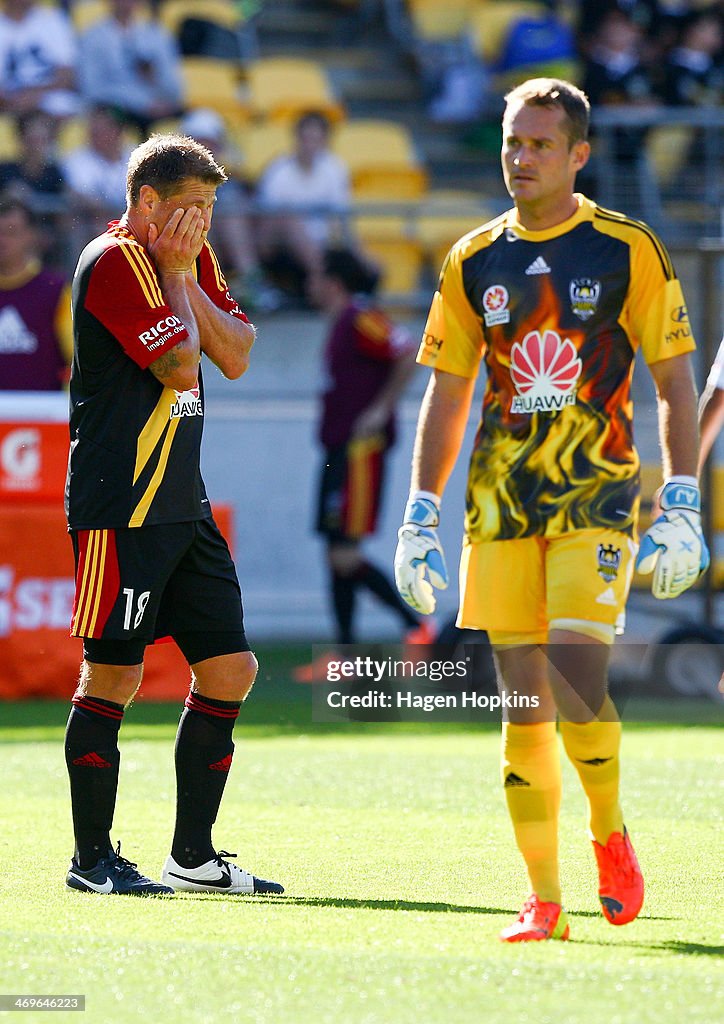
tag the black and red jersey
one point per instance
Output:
(361, 351)
(134, 444)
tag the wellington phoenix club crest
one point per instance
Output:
(585, 294)
(609, 561)
(495, 305)
(545, 371)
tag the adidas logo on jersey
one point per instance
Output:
(538, 266)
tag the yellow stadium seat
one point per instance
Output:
(214, 82)
(73, 134)
(446, 215)
(9, 142)
(260, 144)
(173, 13)
(382, 160)
(490, 22)
(434, 20)
(283, 88)
(667, 147)
(391, 242)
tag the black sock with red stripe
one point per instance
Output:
(377, 583)
(204, 751)
(93, 758)
(343, 601)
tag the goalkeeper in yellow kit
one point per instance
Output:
(556, 296)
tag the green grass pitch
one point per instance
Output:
(395, 849)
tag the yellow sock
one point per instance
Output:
(532, 782)
(593, 748)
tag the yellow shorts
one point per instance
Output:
(523, 586)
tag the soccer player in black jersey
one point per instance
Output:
(555, 296)
(148, 300)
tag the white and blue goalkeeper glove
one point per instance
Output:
(419, 560)
(673, 547)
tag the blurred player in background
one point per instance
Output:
(36, 334)
(711, 407)
(148, 300)
(368, 361)
(556, 296)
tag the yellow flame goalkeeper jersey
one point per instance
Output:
(557, 316)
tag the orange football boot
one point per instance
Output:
(621, 884)
(537, 921)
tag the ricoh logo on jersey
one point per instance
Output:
(545, 370)
(188, 403)
(495, 305)
(159, 334)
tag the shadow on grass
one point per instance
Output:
(347, 903)
(343, 903)
(675, 946)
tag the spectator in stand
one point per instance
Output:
(368, 361)
(36, 178)
(37, 60)
(96, 175)
(615, 75)
(131, 64)
(694, 72)
(310, 188)
(36, 337)
(233, 222)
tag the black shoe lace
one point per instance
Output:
(220, 857)
(123, 867)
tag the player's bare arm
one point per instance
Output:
(440, 430)
(373, 419)
(226, 340)
(678, 430)
(174, 250)
(711, 419)
(419, 559)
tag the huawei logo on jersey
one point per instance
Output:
(545, 371)
(188, 403)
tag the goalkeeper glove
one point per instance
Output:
(419, 560)
(673, 547)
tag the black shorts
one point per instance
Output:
(350, 489)
(137, 585)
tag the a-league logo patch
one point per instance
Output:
(609, 562)
(495, 305)
(585, 293)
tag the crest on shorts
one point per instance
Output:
(609, 562)
(585, 293)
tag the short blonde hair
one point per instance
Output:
(556, 93)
